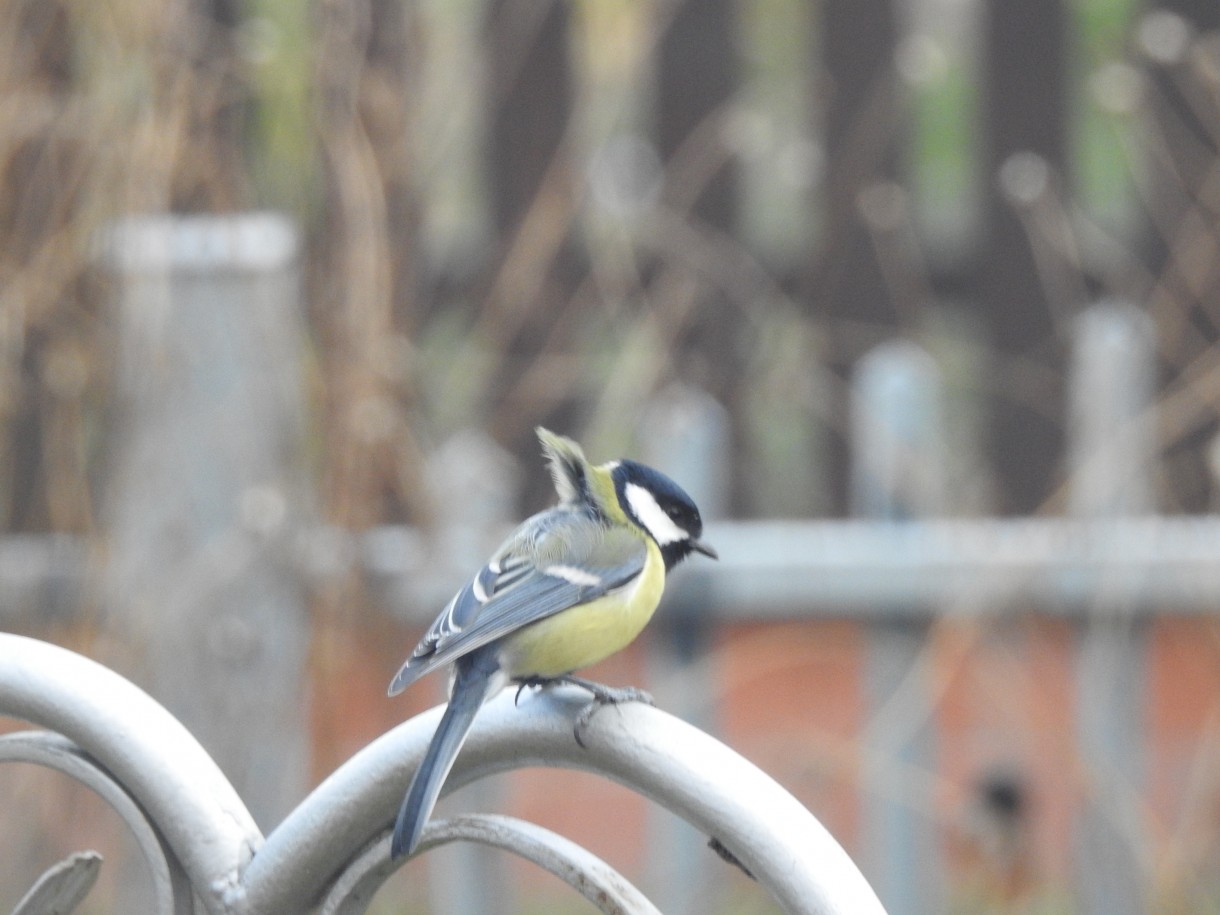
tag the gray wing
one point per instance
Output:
(553, 561)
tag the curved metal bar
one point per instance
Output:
(586, 873)
(147, 751)
(156, 760)
(63, 886)
(673, 763)
(171, 889)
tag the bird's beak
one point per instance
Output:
(700, 547)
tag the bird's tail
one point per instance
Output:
(473, 682)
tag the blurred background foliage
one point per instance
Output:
(524, 212)
(530, 211)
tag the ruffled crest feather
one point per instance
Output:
(568, 465)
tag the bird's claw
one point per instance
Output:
(527, 682)
(602, 696)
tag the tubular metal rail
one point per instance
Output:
(331, 854)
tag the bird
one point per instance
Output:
(570, 586)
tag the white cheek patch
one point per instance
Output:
(644, 506)
(574, 575)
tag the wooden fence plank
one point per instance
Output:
(696, 78)
(529, 99)
(862, 129)
(1025, 144)
(1178, 40)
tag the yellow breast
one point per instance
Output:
(585, 634)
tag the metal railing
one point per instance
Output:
(331, 853)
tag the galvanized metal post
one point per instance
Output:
(897, 475)
(685, 432)
(1111, 434)
(207, 489)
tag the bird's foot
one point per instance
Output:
(602, 695)
(526, 682)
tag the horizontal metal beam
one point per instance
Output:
(833, 569)
(772, 569)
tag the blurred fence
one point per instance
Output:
(226, 608)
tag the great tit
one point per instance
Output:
(572, 585)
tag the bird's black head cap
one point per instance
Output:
(661, 507)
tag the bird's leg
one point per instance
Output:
(602, 695)
(525, 682)
(606, 695)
